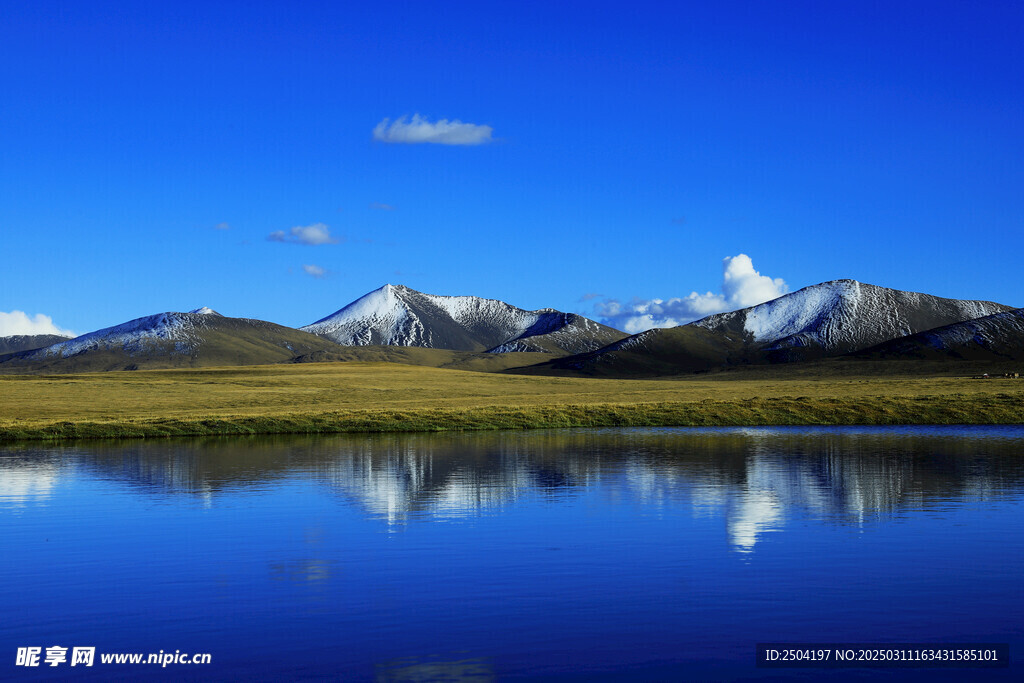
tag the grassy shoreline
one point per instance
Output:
(387, 397)
(943, 409)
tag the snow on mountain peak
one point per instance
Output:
(805, 309)
(205, 311)
(399, 316)
(844, 315)
(371, 319)
(134, 336)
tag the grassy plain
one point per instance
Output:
(334, 397)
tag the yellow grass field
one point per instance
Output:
(356, 396)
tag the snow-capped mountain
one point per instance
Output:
(395, 315)
(993, 337)
(200, 337)
(828, 319)
(150, 333)
(841, 316)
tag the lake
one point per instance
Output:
(618, 554)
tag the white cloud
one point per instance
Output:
(419, 130)
(222, 226)
(742, 286)
(314, 271)
(378, 206)
(315, 234)
(19, 322)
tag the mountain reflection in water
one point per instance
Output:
(752, 477)
(628, 554)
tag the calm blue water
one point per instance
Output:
(655, 554)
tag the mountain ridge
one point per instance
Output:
(829, 319)
(397, 315)
(999, 336)
(172, 339)
(841, 316)
(27, 342)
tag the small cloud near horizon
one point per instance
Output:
(222, 226)
(378, 206)
(742, 286)
(420, 130)
(313, 235)
(19, 322)
(314, 271)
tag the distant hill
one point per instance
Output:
(395, 315)
(171, 340)
(824, 320)
(990, 338)
(666, 351)
(27, 342)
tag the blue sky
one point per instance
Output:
(157, 156)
